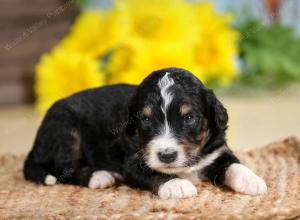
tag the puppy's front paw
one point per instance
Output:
(176, 189)
(243, 180)
(101, 179)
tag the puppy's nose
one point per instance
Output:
(167, 156)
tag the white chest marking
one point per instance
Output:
(194, 176)
(206, 160)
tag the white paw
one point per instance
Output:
(176, 189)
(243, 180)
(101, 179)
(50, 180)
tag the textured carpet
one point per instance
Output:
(278, 163)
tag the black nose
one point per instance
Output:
(167, 156)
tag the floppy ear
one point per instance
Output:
(218, 113)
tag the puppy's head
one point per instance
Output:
(176, 120)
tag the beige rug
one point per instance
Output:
(278, 163)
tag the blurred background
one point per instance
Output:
(247, 51)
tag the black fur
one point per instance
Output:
(105, 129)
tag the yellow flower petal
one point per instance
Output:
(61, 73)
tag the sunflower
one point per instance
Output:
(134, 38)
(132, 64)
(173, 33)
(156, 21)
(61, 73)
(217, 50)
(94, 33)
(159, 34)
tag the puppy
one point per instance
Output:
(162, 136)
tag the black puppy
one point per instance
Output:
(160, 136)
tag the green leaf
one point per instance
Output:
(270, 54)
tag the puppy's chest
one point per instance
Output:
(194, 176)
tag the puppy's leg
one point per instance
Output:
(107, 166)
(68, 158)
(55, 153)
(177, 188)
(243, 180)
(226, 169)
(72, 166)
(102, 179)
(34, 171)
(88, 176)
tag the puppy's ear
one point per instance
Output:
(217, 112)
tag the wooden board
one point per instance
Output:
(29, 28)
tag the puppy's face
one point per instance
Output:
(173, 121)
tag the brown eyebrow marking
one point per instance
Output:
(147, 111)
(185, 108)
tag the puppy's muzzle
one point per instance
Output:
(167, 155)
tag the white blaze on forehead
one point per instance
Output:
(165, 140)
(164, 84)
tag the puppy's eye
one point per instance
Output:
(146, 121)
(189, 120)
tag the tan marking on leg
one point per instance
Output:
(76, 151)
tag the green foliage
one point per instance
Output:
(80, 3)
(270, 55)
